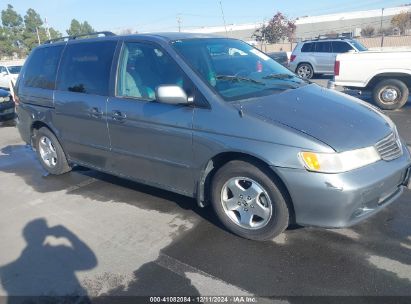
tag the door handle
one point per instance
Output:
(118, 116)
(95, 112)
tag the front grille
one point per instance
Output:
(389, 148)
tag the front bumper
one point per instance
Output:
(292, 66)
(7, 110)
(341, 200)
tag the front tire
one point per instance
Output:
(249, 201)
(390, 94)
(50, 153)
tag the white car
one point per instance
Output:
(387, 75)
(318, 56)
(8, 73)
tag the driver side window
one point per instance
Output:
(143, 67)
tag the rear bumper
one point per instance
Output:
(342, 200)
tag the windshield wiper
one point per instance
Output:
(278, 76)
(238, 78)
(282, 87)
(288, 77)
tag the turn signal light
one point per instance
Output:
(311, 160)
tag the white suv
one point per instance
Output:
(318, 56)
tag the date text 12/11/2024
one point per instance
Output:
(204, 299)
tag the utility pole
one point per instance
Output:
(179, 21)
(381, 31)
(222, 14)
(263, 38)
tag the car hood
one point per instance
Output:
(338, 120)
(4, 93)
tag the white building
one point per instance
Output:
(313, 26)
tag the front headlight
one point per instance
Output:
(339, 162)
(4, 99)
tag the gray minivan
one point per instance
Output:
(214, 119)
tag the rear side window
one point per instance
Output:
(341, 47)
(42, 68)
(85, 67)
(307, 47)
(323, 47)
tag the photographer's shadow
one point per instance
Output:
(47, 269)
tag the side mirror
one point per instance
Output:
(4, 73)
(171, 94)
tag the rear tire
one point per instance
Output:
(249, 201)
(305, 71)
(50, 153)
(390, 94)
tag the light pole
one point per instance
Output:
(179, 22)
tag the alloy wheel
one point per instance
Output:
(246, 203)
(304, 71)
(47, 151)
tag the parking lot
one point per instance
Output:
(90, 233)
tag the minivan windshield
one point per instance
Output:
(235, 69)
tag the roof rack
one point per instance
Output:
(327, 38)
(73, 37)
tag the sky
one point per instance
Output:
(161, 15)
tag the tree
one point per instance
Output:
(7, 47)
(33, 31)
(78, 28)
(75, 28)
(277, 29)
(126, 31)
(10, 18)
(32, 21)
(368, 31)
(386, 31)
(86, 28)
(54, 33)
(12, 30)
(402, 21)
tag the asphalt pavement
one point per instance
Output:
(93, 234)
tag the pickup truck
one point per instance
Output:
(386, 74)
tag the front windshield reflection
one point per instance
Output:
(235, 69)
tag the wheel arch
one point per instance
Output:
(37, 125)
(305, 62)
(402, 76)
(219, 160)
